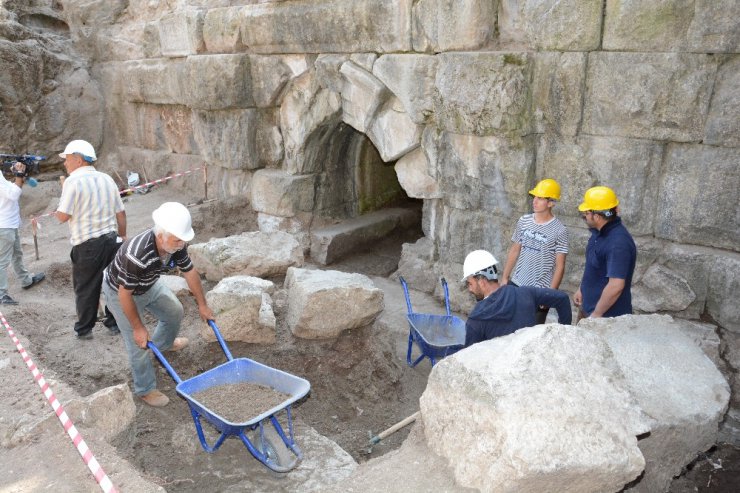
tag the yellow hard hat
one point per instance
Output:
(599, 199)
(547, 188)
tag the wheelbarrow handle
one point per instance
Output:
(221, 341)
(406, 294)
(447, 294)
(164, 361)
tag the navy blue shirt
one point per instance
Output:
(511, 308)
(611, 252)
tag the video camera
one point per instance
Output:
(30, 160)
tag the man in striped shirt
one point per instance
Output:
(132, 286)
(540, 245)
(92, 207)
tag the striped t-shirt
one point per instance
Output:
(540, 244)
(137, 264)
(91, 199)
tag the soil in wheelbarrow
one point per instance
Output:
(239, 402)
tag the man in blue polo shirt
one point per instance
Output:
(610, 258)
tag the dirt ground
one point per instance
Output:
(360, 383)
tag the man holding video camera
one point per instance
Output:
(10, 240)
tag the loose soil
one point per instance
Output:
(360, 383)
(239, 402)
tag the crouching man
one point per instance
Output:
(502, 310)
(131, 285)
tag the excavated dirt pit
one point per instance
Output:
(360, 383)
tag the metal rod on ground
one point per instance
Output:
(35, 238)
(205, 182)
(394, 428)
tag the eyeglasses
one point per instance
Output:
(585, 214)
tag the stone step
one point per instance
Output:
(331, 243)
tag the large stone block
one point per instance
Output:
(181, 33)
(393, 132)
(543, 409)
(452, 25)
(163, 127)
(484, 93)
(698, 188)
(327, 26)
(413, 175)
(489, 173)
(129, 41)
(411, 79)
(723, 122)
(243, 308)
(362, 95)
(216, 82)
(306, 108)
(661, 289)
(222, 30)
(661, 96)
(109, 411)
(684, 412)
(270, 75)
(238, 139)
(630, 167)
(280, 194)
(322, 304)
(254, 254)
(724, 283)
(156, 81)
(558, 25)
(557, 92)
(700, 26)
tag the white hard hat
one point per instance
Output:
(174, 218)
(480, 262)
(81, 147)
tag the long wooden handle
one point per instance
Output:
(394, 428)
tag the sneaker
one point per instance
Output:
(155, 398)
(113, 329)
(37, 278)
(179, 343)
(7, 300)
(85, 335)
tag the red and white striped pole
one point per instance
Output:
(87, 456)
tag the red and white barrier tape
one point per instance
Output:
(87, 457)
(35, 219)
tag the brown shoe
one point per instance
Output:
(179, 343)
(155, 398)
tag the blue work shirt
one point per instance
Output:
(611, 252)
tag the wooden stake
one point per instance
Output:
(205, 182)
(35, 239)
(394, 428)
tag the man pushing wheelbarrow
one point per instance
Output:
(131, 285)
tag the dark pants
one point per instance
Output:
(89, 260)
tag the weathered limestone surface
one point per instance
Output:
(685, 412)
(158, 81)
(393, 132)
(630, 166)
(362, 95)
(724, 283)
(483, 93)
(698, 181)
(723, 124)
(221, 30)
(557, 92)
(243, 307)
(176, 284)
(238, 139)
(543, 409)
(181, 33)
(110, 411)
(661, 289)
(700, 26)
(661, 96)
(252, 254)
(280, 194)
(216, 82)
(413, 175)
(270, 75)
(322, 304)
(411, 79)
(327, 26)
(451, 25)
(560, 25)
(416, 265)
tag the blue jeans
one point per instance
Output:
(10, 252)
(161, 302)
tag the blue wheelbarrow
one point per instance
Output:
(436, 336)
(263, 435)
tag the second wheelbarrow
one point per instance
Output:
(436, 336)
(263, 435)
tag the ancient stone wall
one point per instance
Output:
(475, 100)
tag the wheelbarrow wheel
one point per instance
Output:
(274, 448)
